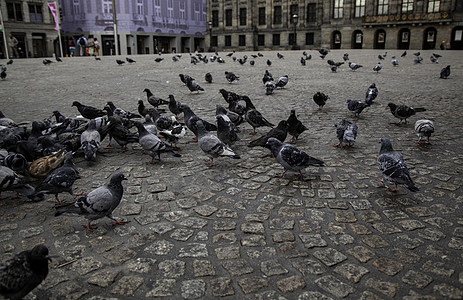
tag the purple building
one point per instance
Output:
(143, 26)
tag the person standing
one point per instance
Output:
(82, 43)
(91, 45)
(13, 44)
(96, 44)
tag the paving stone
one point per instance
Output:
(127, 285)
(119, 255)
(283, 236)
(406, 256)
(221, 287)
(360, 204)
(203, 268)
(334, 286)
(272, 268)
(417, 279)
(386, 228)
(160, 247)
(103, 278)
(351, 272)
(291, 284)
(367, 295)
(309, 266)
(265, 252)
(70, 290)
(437, 268)
(330, 256)
(388, 266)
(224, 225)
(290, 212)
(237, 267)
(181, 234)
(253, 241)
(345, 217)
(162, 288)
(226, 237)
(408, 242)
(361, 253)
(456, 243)
(226, 213)
(411, 224)
(311, 295)
(375, 241)
(205, 210)
(360, 229)
(86, 265)
(192, 222)
(252, 284)
(384, 287)
(193, 289)
(231, 252)
(368, 216)
(338, 204)
(412, 295)
(312, 240)
(193, 250)
(448, 291)
(172, 268)
(431, 234)
(281, 224)
(253, 228)
(141, 265)
(256, 217)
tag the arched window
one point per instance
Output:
(380, 39)
(403, 40)
(357, 39)
(336, 40)
(429, 38)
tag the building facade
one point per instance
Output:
(335, 24)
(32, 24)
(143, 26)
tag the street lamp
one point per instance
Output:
(295, 18)
(210, 36)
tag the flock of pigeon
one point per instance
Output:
(45, 151)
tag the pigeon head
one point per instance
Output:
(75, 103)
(273, 143)
(39, 253)
(386, 145)
(373, 85)
(283, 125)
(220, 110)
(117, 178)
(392, 106)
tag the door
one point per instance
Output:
(336, 40)
(380, 39)
(357, 39)
(404, 39)
(39, 48)
(429, 38)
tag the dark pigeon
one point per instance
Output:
(393, 168)
(356, 107)
(320, 99)
(191, 119)
(255, 118)
(193, 86)
(403, 112)
(174, 106)
(404, 54)
(372, 93)
(295, 126)
(279, 132)
(129, 60)
(98, 203)
(346, 132)
(208, 77)
(282, 81)
(153, 100)
(445, 72)
(88, 112)
(226, 130)
(230, 76)
(354, 66)
(120, 62)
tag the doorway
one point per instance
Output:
(357, 39)
(403, 39)
(456, 42)
(430, 38)
(107, 42)
(336, 40)
(380, 39)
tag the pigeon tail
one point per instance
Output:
(69, 208)
(412, 188)
(419, 109)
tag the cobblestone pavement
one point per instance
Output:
(234, 231)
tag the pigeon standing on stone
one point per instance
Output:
(12, 181)
(346, 132)
(129, 60)
(270, 86)
(345, 57)
(208, 77)
(291, 158)
(393, 168)
(394, 61)
(354, 66)
(230, 76)
(295, 126)
(403, 112)
(226, 131)
(153, 100)
(320, 99)
(404, 54)
(120, 62)
(371, 94)
(98, 203)
(211, 145)
(90, 140)
(445, 72)
(279, 132)
(88, 112)
(256, 119)
(193, 86)
(282, 81)
(24, 272)
(424, 128)
(356, 107)
(191, 119)
(378, 67)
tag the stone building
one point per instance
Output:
(143, 26)
(335, 24)
(32, 24)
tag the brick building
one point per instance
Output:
(337, 24)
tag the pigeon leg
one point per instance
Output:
(293, 140)
(320, 107)
(254, 132)
(394, 189)
(338, 145)
(89, 227)
(299, 176)
(195, 140)
(58, 202)
(280, 175)
(118, 221)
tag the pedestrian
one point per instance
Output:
(442, 45)
(91, 45)
(72, 47)
(82, 42)
(97, 46)
(13, 44)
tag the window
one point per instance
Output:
(228, 41)
(243, 16)
(293, 10)
(197, 12)
(214, 42)
(170, 9)
(14, 12)
(338, 9)
(262, 16)
(433, 6)
(76, 7)
(291, 39)
(260, 40)
(407, 6)
(359, 8)
(277, 15)
(276, 40)
(107, 7)
(215, 18)
(242, 40)
(140, 7)
(35, 13)
(228, 17)
(157, 9)
(383, 7)
(181, 10)
(309, 38)
(311, 13)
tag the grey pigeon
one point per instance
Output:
(226, 131)
(417, 59)
(211, 145)
(12, 181)
(403, 112)
(174, 106)
(424, 128)
(282, 81)
(60, 180)
(193, 86)
(24, 272)
(230, 76)
(295, 126)
(378, 67)
(98, 203)
(346, 132)
(393, 168)
(90, 140)
(152, 144)
(267, 77)
(434, 59)
(149, 125)
(291, 158)
(270, 86)
(354, 66)
(372, 93)
(191, 119)
(235, 118)
(394, 61)
(153, 100)
(356, 107)
(445, 72)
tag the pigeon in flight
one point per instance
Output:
(356, 107)
(3, 74)
(424, 128)
(24, 272)
(393, 168)
(372, 93)
(346, 132)
(403, 112)
(98, 203)
(320, 99)
(445, 72)
(295, 126)
(291, 158)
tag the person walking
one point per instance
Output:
(13, 44)
(96, 44)
(91, 45)
(82, 42)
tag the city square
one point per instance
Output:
(234, 230)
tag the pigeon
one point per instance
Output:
(404, 54)
(303, 61)
(295, 126)
(24, 272)
(333, 68)
(42, 166)
(323, 51)
(280, 56)
(208, 77)
(252, 62)
(143, 110)
(158, 59)
(424, 128)
(417, 53)
(267, 77)
(184, 78)
(174, 58)
(47, 62)
(60, 180)
(345, 57)
(120, 112)
(174, 106)
(320, 99)
(3, 75)
(354, 66)
(394, 61)
(372, 93)
(152, 144)
(378, 67)
(190, 119)
(121, 134)
(98, 203)
(211, 145)
(282, 81)
(231, 53)
(436, 55)
(129, 60)
(356, 107)
(279, 132)
(15, 161)
(120, 62)
(90, 140)
(174, 132)
(220, 60)
(88, 112)
(260, 54)
(10, 62)
(393, 168)
(291, 158)
(255, 118)
(346, 132)
(403, 112)
(226, 130)
(193, 86)
(270, 86)
(97, 58)
(445, 72)
(417, 59)
(235, 118)
(153, 100)
(380, 57)
(269, 62)
(149, 125)
(12, 181)
(434, 59)
(230, 76)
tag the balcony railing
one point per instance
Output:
(407, 18)
(106, 16)
(137, 17)
(157, 19)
